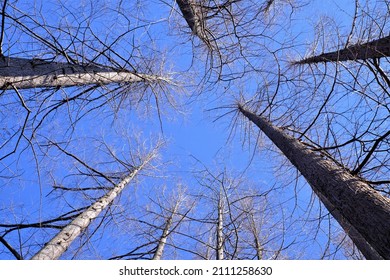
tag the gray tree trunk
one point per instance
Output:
(259, 248)
(167, 228)
(35, 73)
(361, 211)
(374, 49)
(220, 253)
(61, 242)
(194, 14)
(255, 232)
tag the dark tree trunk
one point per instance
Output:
(193, 13)
(374, 49)
(361, 211)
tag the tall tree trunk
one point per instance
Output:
(255, 232)
(192, 13)
(259, 248)
(163, 240)
(35, 73)
(374, 49)
(220, 255)
(209, 247)
(361, 211)
(61, 242)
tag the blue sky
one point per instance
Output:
(196, 133)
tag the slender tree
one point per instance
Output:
(61, 242)
(361, 211)
(220, 224)
(235, 221)
(167, 230)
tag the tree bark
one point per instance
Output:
(259, 248)
(361, 211)
(36, 73)
(167, 229)
(255, 232)
(220, 253)
(192, 13)
(374, 49)
(61, 242)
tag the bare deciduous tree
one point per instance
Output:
(60, 243)
(371, 50)
(362, 211)
(37, 73)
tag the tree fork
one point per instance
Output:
(362, 212)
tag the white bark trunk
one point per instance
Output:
(163, 240)
(35, 73)
(61, 242)
(220, 253)
(259, 248)
(361, 211)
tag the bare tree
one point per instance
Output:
(72, 71)
(158, 226)
(166, 231)
(230, 31)
(235, 221)
(60, 243)
(192, 13)
(220, 221)
(371, 50)
(23, 73)
(362, 211)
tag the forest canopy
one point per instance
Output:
(194, 129)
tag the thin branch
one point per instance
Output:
(11, 249)
(2, 27)
(368, 156)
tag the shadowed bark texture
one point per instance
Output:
(374, 49)
(192, 14)
(361, 211)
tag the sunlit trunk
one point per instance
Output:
(167, 229)
(61, 242)
(220, 253)
(35, 73)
